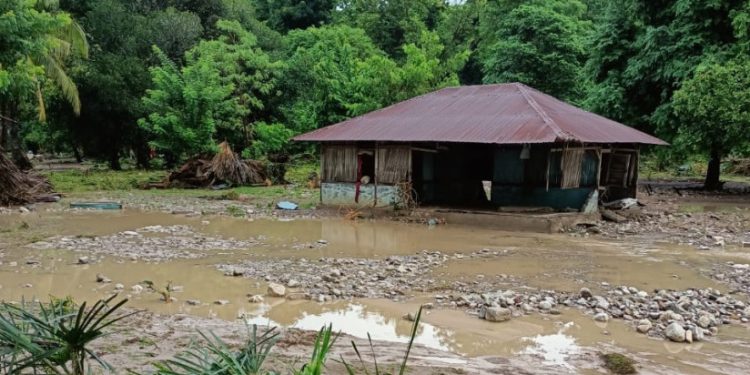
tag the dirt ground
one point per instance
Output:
(571, 295)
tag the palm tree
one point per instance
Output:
(53, 49)
(62, 44)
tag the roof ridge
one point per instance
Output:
(563, 135)
(381, 109)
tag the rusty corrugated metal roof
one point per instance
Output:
(510, 113)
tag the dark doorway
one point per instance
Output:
(366, 162)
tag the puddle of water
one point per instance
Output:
(548, 261)
(555, 349)
(588, 264)
(355, 319)
(57, 275)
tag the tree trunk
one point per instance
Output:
(114, 160)
(713, 174)
(22, 161)
(77, 154)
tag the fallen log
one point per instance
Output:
(612, 216)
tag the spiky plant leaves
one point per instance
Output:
(213, 356)
(402, 369)
(323, 344)
(49, 338)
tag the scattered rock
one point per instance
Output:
(497, 314)
(585, 293)
(221, 302)
(83, 260)
(193, 302)
(601, 302)
(704, 321)
(276, 290)
(136, 289)
(675, 332)
(102, 279)
(601, 317)
(256, 299)
(698, 334)
(410, 317)
(644, 325)
(119, 286)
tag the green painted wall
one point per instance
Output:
(523, 183)
(335, 193)
(556, 198)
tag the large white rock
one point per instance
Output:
(497, 314)
(675, 332)
(644, 325)
(276, 290)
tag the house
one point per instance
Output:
(479, 146)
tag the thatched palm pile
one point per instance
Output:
(20, 187)
(225, 167)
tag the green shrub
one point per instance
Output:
(619, 364)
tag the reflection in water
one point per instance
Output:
(357, 321)
(554, 349)
(26, 273)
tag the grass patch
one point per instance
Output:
(81, 184)
(76, 181)
(298, 173)
(235, 211)
(619, 364)
(652, 167)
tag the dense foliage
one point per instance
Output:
(119, 79)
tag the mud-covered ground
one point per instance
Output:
(511, 302)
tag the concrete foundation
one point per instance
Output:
(343, 194)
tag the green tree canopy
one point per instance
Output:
(286, 15)
(713, 108)
(183, 106)
(643, 50)
(217, 95)
(538, 43)
(391, 24)
(336, 72)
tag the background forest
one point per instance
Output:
(121, 80)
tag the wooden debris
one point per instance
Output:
(19, 187)
(226, 167)
(612, 216)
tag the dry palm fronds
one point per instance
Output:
(739, 166)
(352, 214)
(20, 187)
(228, 167)
(224, 167)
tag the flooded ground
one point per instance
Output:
(40, 254)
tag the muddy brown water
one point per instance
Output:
(560, 262)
